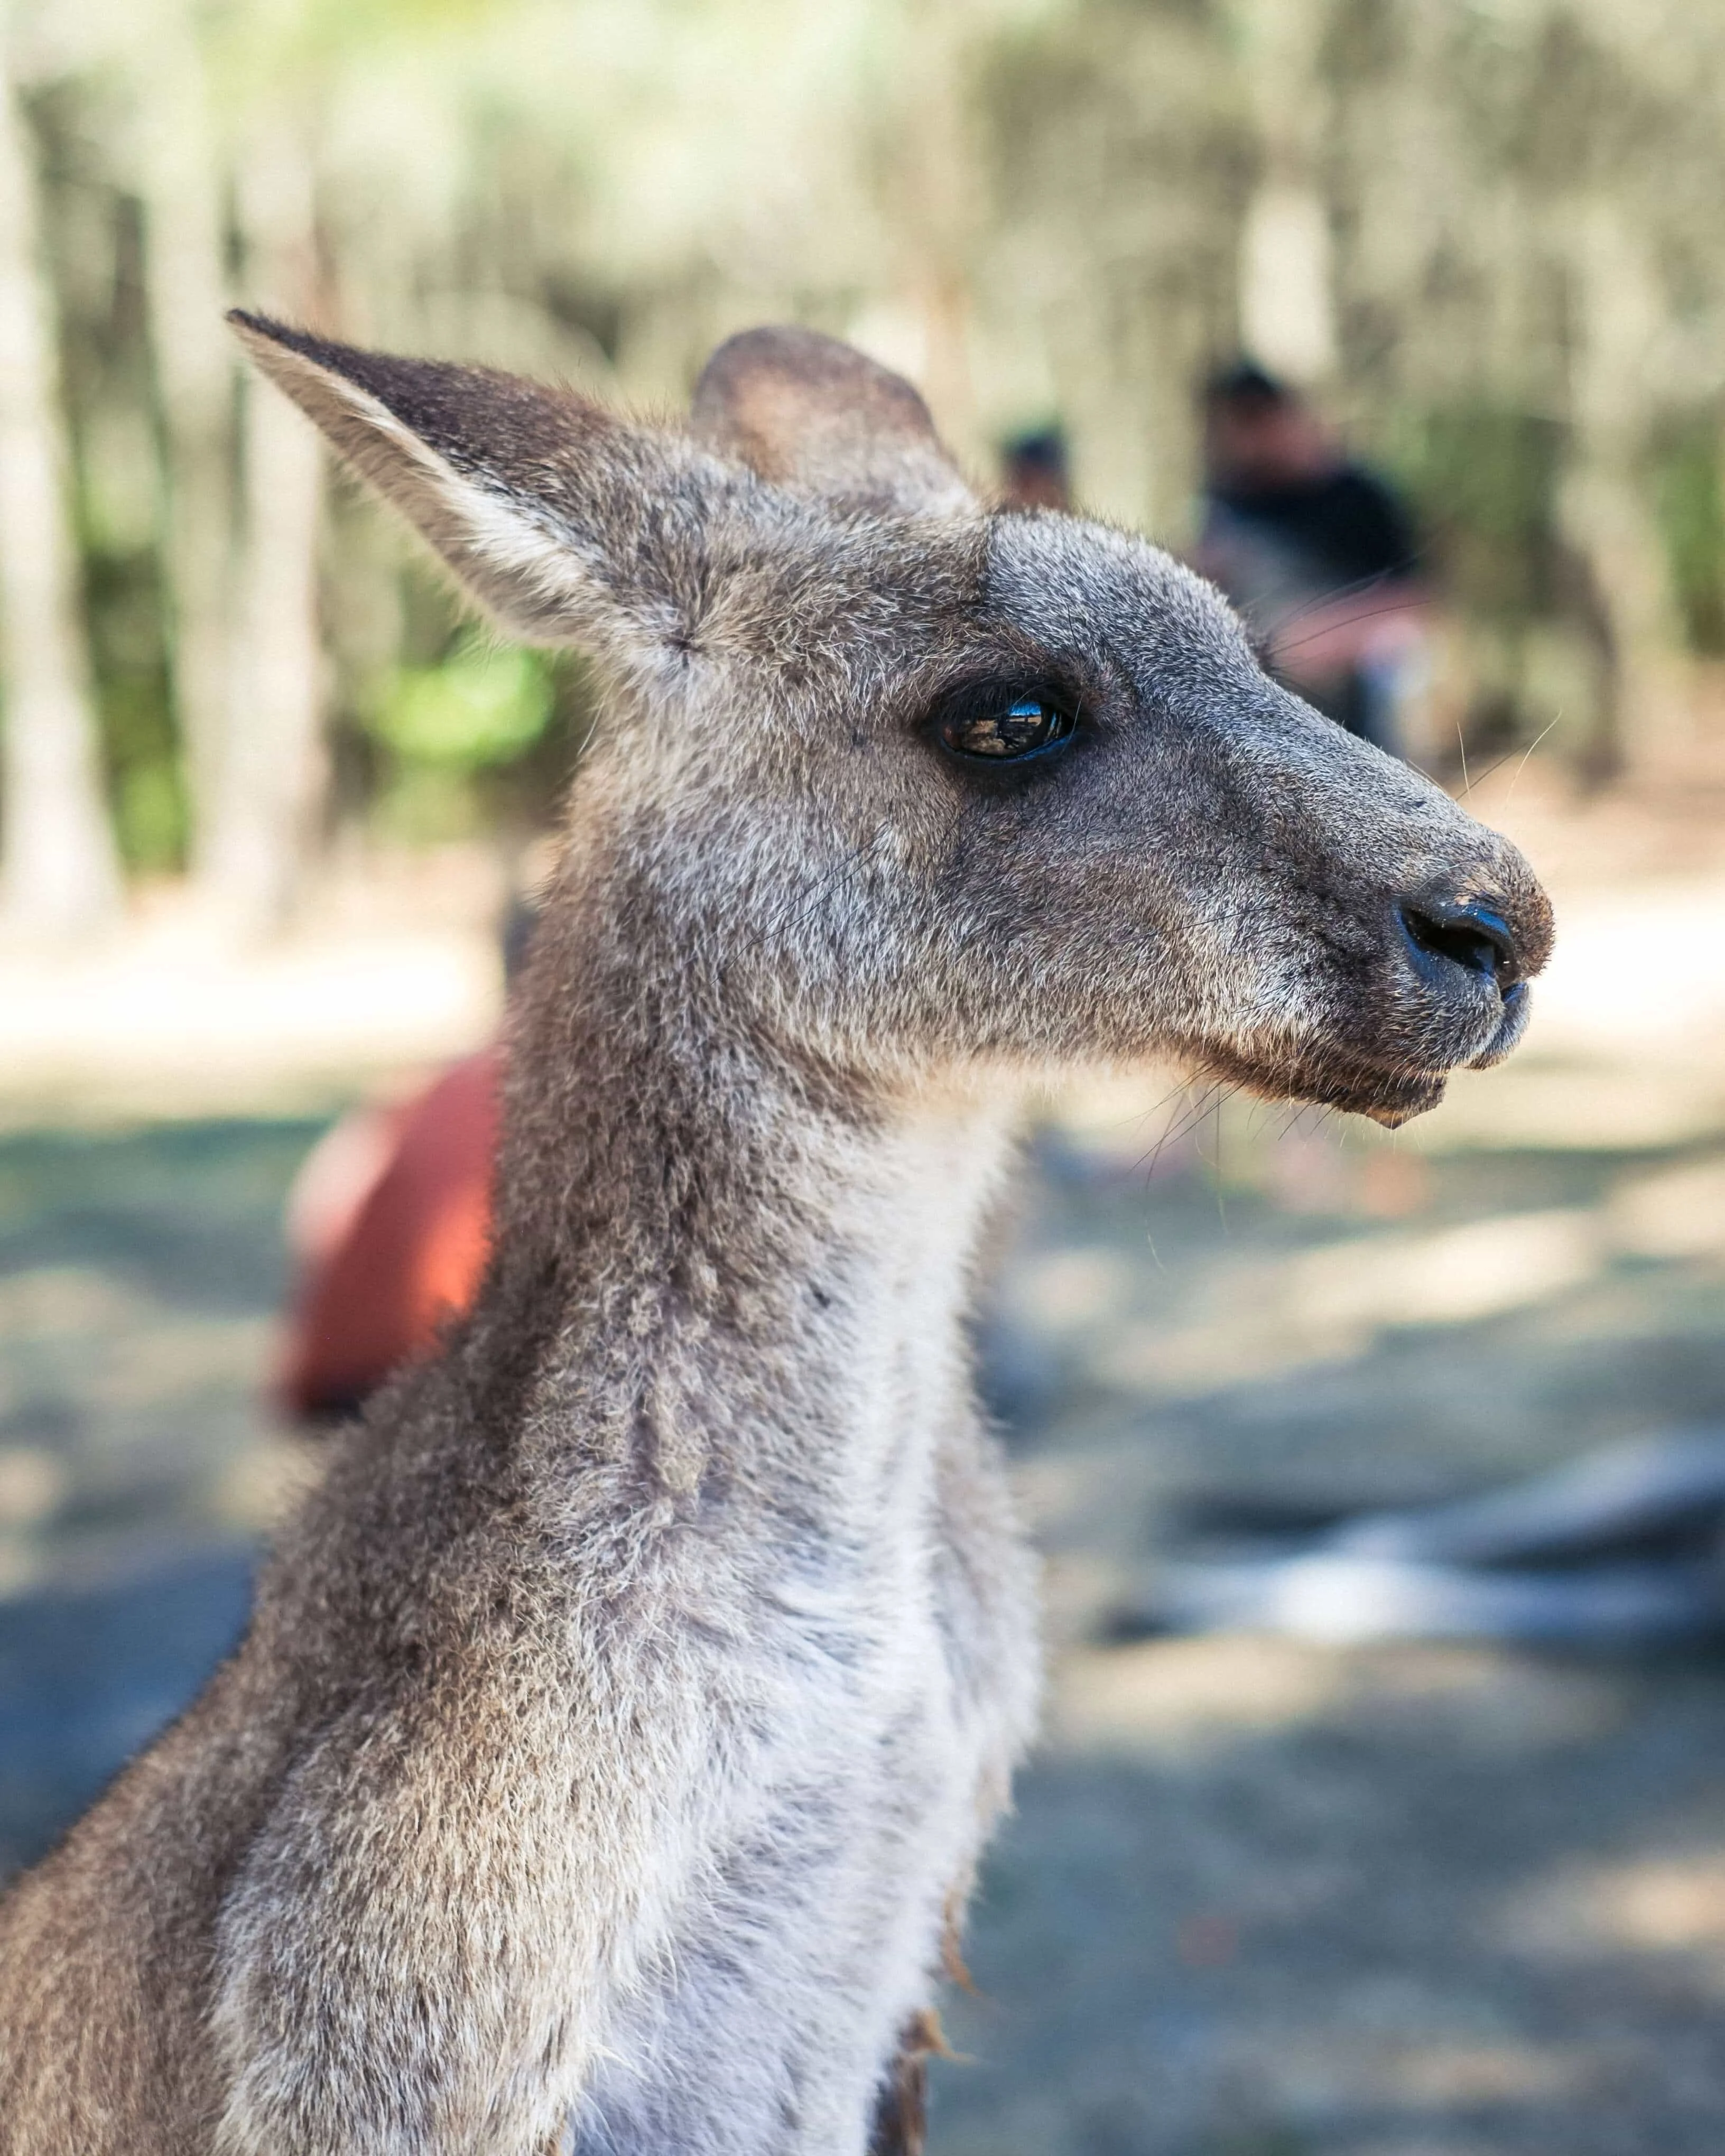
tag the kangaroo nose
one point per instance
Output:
(1475, 938)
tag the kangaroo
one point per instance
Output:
(621, 1719)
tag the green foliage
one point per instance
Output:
(483, 737)
(1485, 480)
(427, 805)
(481, 706)
(1691, 508)
(150, 815)
(94, 235)
(1484, 477)
(140, 744)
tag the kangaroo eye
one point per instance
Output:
(1004, 731)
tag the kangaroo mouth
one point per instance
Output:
(1390, 1069)
(1390, 1091)
(1511, 1026)
(1389, 1096)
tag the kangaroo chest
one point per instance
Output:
(893, 1694)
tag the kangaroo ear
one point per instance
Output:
(805, 412)
(566, 524)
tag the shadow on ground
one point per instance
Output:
(1404, 1902)
(1258, 1899)
(87, 1674)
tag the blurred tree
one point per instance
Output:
(1121, 158)
(58, 875)
(182, 187)
(1690, 503)
(261, 813)
(1486, 233)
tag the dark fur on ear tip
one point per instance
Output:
(479, 419)
(247, 325)
(261, 334)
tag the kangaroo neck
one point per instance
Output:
(759, 1272)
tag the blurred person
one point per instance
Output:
(1317, 551)
(1035, 471)
(390, 1221)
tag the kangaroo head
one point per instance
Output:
(914, 785)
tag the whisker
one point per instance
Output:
(1279, 651)
(1177, 1130)
(1498, 763)
(1509, 791)
(1190, 1121)
(1374, 580)
(1153, 1154)
(815, 899)
(1219, 1172)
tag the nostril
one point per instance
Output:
(1471, 936)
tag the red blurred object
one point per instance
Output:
(391, 1219)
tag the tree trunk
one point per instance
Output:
(1286, 276)
(936, 213)
(272, 765)
(58, 874)
(181, 179)
(1604, 505)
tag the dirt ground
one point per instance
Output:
(1258, 1899)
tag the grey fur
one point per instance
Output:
(621, 1718)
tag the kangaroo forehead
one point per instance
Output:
(1077, 586)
